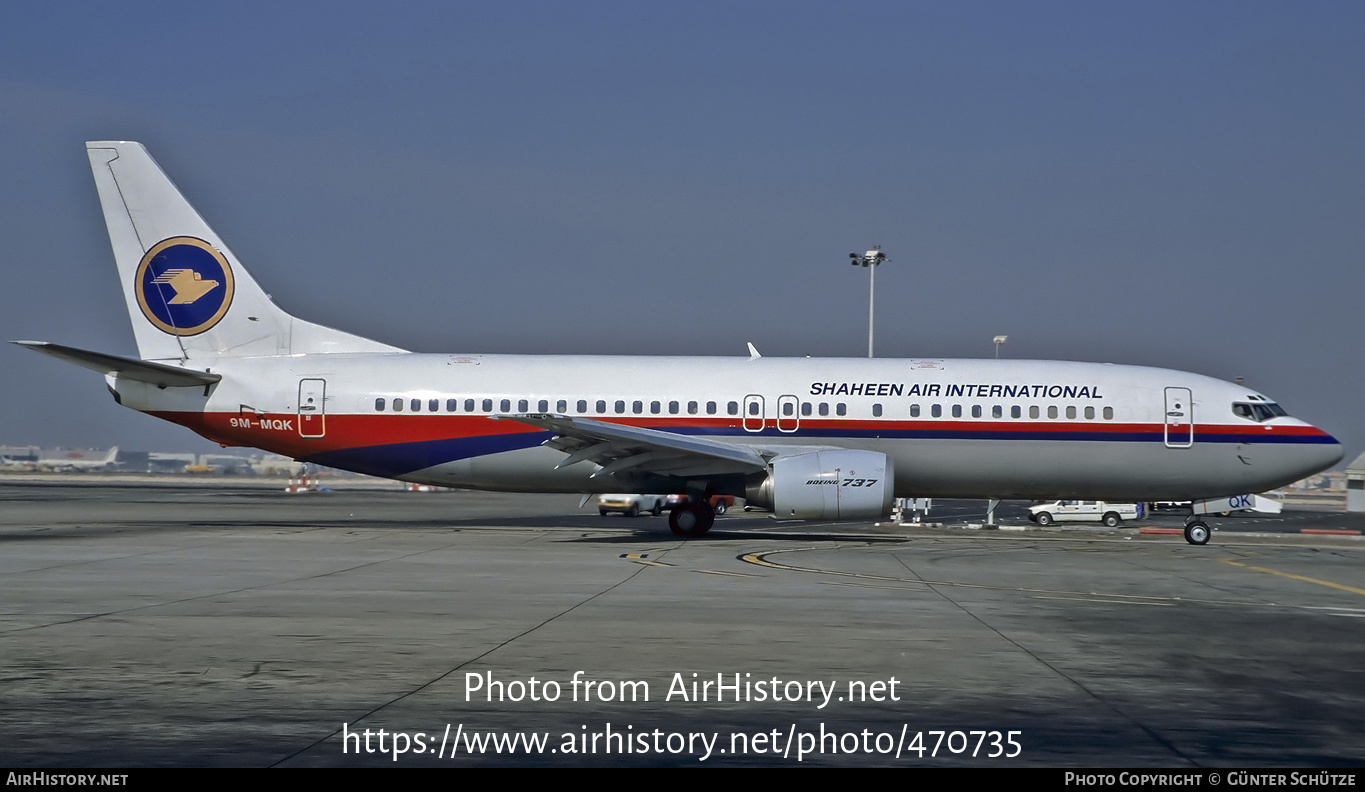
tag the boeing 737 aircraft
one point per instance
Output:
(815, 439)
(71, 463)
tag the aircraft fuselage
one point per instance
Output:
(954, 428)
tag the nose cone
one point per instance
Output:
(1327, 451)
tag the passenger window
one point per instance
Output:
(957, 411)
(379, 404)
(788, 409)
(732, 408)
(877, 410)
(655, 407)
(1089, 413)
(397, 405)
(936, 411)
(710, 408)
(506, 405)
(824, 408)
(1033, 411)
(601, 406)
(582, 405)
(523, 405)
(1016, 411)
(841, 408)
(416, 405)
(914, 411)
(620, 406)
(1052, 411)
(998, 412)
(452, 405)
(434, 405)
(976, 411)
(1108, 413)
(469, 405)
(672, 408)
(805, 408)
(1070, 412)
(488, 405)
(637, 407)
(691, 408)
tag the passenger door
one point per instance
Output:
(1179, 422)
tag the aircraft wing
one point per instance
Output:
(632, 449)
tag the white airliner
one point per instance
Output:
(80, 463)
(817, 439)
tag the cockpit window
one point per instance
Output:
(1257, 411)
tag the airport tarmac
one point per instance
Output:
(192, 626)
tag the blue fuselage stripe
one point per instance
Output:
(397, 459)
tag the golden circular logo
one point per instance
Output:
(184, 286)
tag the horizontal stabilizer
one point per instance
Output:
(158, 374)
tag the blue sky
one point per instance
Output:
(1171, 184)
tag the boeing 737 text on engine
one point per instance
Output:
(815, 439)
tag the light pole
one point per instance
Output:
(999, 342)
(870, 259)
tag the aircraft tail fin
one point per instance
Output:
(187, 295)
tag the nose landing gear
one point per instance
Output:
(1197, 532)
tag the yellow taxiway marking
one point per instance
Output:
(1292, 576)
(727, 574)
(650, 563)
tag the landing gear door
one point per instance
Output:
(1179, 418)
(312, 407)
(753, 413)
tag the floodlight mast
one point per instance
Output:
(870, 260)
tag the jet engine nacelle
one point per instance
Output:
(827, 485)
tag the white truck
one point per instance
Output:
(1111, 514)
(631, 505)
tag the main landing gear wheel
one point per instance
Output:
(1197, 533)
(691, 519)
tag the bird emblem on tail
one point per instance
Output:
(187, 284)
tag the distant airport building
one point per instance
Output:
(1355, 485)
(134, 461)
(168, 462)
